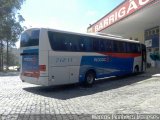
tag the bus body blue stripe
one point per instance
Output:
(30, 51)
(105, 66)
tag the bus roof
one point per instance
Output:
(105, 36)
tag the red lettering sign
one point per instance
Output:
(127, 8)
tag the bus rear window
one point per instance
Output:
(30, 38)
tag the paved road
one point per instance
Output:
(135, 94)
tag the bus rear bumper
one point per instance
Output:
(37, 81)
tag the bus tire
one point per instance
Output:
(136, 69)
(89, 78)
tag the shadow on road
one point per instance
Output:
(72, 91)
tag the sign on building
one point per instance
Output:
(148, 43)
(123, 10)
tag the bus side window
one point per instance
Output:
(125, 47)
(69, 42)
(88, 44)
(95, 44)
(108, 45)
(81, 44)
(60, 42)
(118, 46)
(115, 46)
(102, 45)
(74, 41)
(122, 47)
(69, 45)
(132, 48)
(128, 47)
(138, 48)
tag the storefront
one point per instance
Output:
(134, 19)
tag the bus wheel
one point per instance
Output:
(89, 78)
(136, 69)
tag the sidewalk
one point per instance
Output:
(152, 72)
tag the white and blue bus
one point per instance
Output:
(55, 57)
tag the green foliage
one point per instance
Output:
(9, 6)
(10, 27)
(12, 59)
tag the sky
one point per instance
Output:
(70, 15)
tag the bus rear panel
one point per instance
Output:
(32, 71)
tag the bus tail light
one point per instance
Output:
(42, 67)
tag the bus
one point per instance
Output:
(56, 57)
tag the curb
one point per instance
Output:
(156, 75)
(9, 74)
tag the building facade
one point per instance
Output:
(134, 19)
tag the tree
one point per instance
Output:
(10, 27)
(1, 54)
(12, 58)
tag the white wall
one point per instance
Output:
(139, 36)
